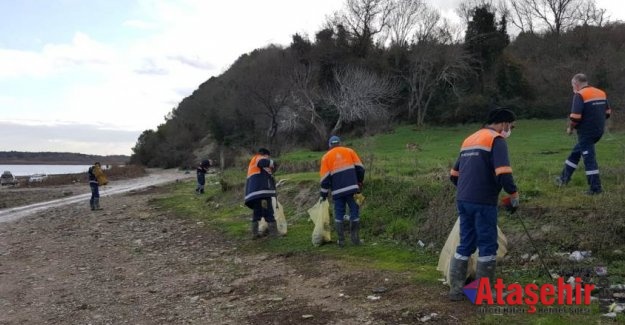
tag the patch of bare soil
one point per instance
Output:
(133, 263)
(11, 197)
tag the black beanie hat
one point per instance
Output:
(500, 114)
(264, 151)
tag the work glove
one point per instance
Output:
(511, 202)
(360, 185)
(323, 197)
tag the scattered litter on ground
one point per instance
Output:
(610, 315)
(616, 308)
(274, 299)
(373, 297)
(428, 317)
(379, 290)
(579, 255)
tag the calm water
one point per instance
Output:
(27, 170)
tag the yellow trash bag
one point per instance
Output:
(278, 213)
(448, 251)
(99, 175)
(359, 198)
(320, 216)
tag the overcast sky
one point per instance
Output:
(89, 76)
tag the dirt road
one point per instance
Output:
(133, 263)
(155, 177)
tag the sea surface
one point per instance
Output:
(27, 170)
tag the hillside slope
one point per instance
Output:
(410, 208)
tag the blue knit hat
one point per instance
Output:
(334, 140)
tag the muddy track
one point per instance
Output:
(133, 263)
(115, 187)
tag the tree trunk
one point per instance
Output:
(273, 130)
(338, 125)
(322, 133)
(222, 157)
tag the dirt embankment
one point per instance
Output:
(134, 263)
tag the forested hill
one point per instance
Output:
(58, 158)
(377, 64)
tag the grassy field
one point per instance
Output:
(410, 206)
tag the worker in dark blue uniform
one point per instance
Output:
(480, 172)
(589, 111)
(342, 174)
(201, 171)
(94, 184)
(260, 188)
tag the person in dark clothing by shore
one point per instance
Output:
(201, 176)
(95, 186)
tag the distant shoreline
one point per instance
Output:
(59, 158)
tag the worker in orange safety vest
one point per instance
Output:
(342, 174)
(260, 188)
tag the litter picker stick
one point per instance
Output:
(534, 246)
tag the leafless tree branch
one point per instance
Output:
(360, 95)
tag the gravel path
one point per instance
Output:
(133, 263)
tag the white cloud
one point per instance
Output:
(67, 137)
(139, 24)
(82, 51)
(55, 58)
(14, 63)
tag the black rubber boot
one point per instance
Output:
(255, 233)
(354, 231)
(273, 229)
(96, 203)
(338, 225)
(457, 278)
(486, 270)
(92, 204)
(595, 184)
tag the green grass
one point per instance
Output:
(410, 199)
(226, 213)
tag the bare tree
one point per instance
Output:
(520, 16)
(433, 65)
(403, 19)
(466, 8)
(266, 82)
(556, 15)
(360, 95)
(365, 19)
(305, 96)
(447, 32)
(428, 26)
(591, 15)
